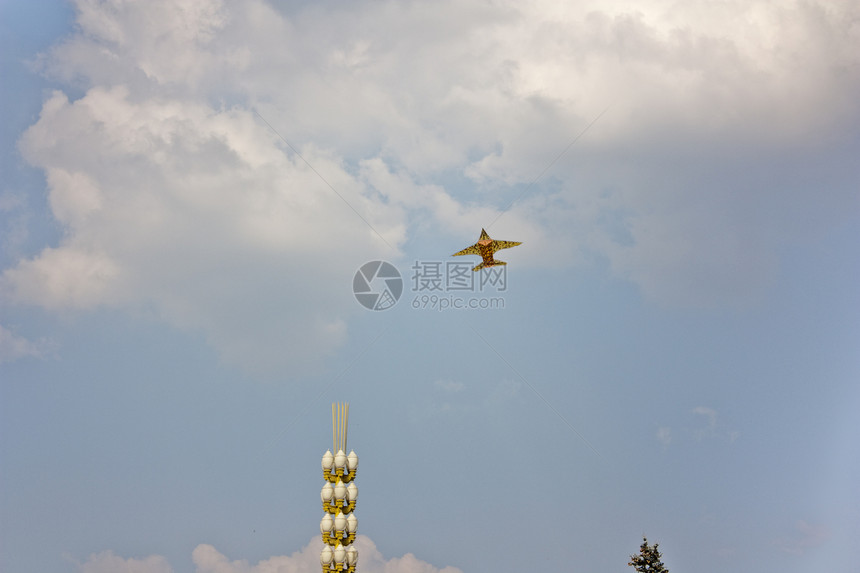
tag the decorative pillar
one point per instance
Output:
(338, 496)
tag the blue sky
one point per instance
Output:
(189, 188)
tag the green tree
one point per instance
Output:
(648, 560)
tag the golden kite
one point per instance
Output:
(485, 247)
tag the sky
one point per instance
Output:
(189, 189)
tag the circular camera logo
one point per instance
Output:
(377, 285)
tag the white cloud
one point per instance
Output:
(13, 347)
(196, 214)
(431, 85)
(803, 538)
(711, 416)
(207, 559)
(449, 386)
(449, 399)
(176, 199)
(59, 278)
(708, 413)
(712, 429)
(454, 398)
(107, 562)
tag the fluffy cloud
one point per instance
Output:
(13, 347)
(706, 425)
(711, 416)
(449, 386)
(207, 559)
(195, 214)
(804, 537)
(481, 87)
(712, 429)
(177, 199)
(107, 562)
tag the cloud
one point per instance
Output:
(449, 386)
(13, 347)
(720, 142)
(207, 559)
(195, 215)
(805, 536)
(107, 562)
(711, 416)
(708, 413)
(455, 398)
(711, 429)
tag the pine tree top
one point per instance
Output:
(648, 560)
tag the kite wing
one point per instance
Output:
(473, 250)
(505, 244)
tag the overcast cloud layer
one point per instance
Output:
(164, 174)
